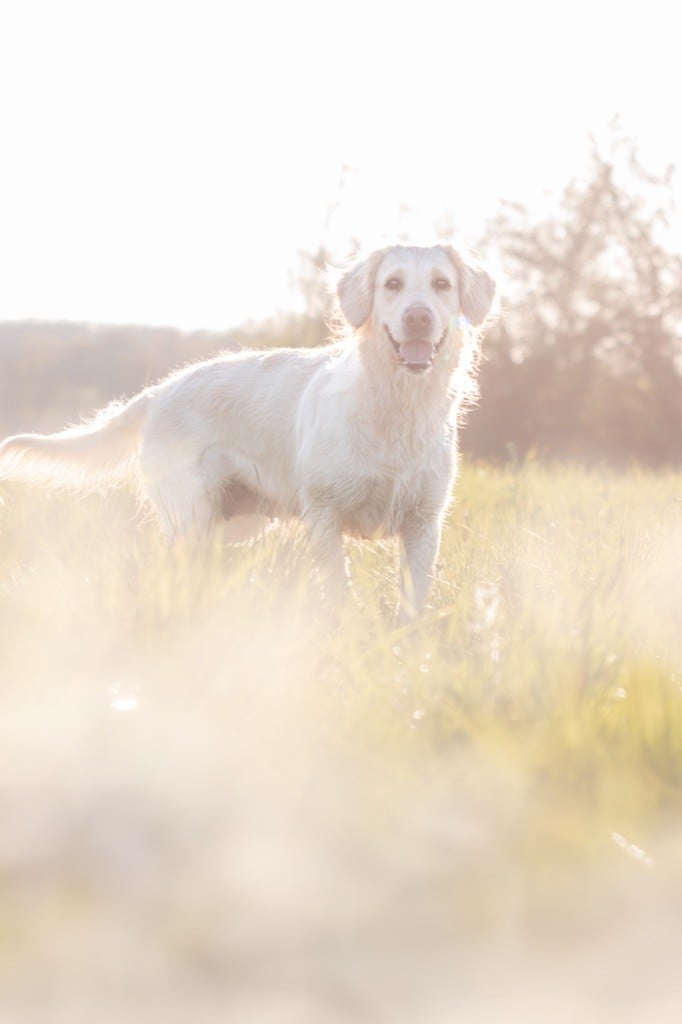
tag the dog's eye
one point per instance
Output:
(441, 284)
(394, 284)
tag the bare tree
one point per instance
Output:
(587, 359)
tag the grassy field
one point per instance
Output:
(214, 806)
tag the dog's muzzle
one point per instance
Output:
(416, 354)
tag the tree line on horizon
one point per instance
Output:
(583, 362)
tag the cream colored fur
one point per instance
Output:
(346, 437)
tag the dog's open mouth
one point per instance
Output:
(415, 355)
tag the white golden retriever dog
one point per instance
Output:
(354, 437)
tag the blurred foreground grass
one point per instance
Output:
(215, 807)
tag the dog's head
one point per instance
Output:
(415, 297)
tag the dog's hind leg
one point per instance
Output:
(184, 505)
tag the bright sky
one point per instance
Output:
(165, 162)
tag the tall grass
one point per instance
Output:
(219, 803)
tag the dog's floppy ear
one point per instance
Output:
(476, 287)
(356, 289)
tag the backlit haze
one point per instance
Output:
(166, 163)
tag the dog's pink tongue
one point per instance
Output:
(416, 353)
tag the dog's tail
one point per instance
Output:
(91, 455)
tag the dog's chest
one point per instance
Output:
(376, 504)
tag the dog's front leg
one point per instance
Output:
(421, 540)
(326, 542)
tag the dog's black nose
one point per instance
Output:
(418, 321)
